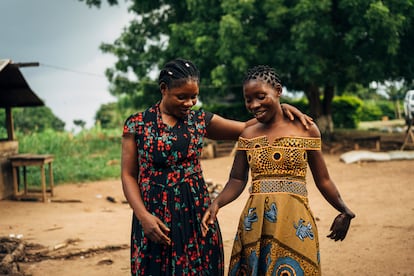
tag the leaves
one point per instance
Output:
(312, 44)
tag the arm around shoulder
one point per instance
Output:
(221, 128)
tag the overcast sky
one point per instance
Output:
(64, 37)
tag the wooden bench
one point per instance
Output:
(364, 139)
(25, 160)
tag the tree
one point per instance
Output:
(395, 91)
(31, 119)
(80, 123)
(108, 116)
(340, 42)
(319, 47)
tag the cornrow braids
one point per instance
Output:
(178, 71)
(263, 73)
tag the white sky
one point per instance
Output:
(65, 34)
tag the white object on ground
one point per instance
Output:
(364, 155)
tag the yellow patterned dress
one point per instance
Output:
(277, 233)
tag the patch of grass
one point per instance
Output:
(88, 156)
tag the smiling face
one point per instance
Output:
(262, 100)
(177, 101)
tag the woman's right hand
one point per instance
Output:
(155, 229)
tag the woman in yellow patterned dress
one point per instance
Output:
(277, 233)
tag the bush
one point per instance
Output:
(387, 109)
(370, 111)
(346, 111)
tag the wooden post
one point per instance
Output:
(409, 135)
(42, 171)
(9, 124)
(51, 178)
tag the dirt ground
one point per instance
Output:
(91, 237)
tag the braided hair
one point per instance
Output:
(263, 73)
(177, 72)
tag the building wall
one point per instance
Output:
(7, 148)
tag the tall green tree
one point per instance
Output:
(109, 116)
(319, 47)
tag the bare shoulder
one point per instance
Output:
(250, 131)
(314, 131)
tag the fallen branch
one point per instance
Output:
(66, 200)
(21, 251)
(8, 265)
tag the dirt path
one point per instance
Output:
(94, 234)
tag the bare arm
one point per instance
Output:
(153, 227)
(234, 187)
(220, 128)
(329, 191)
(325, 184)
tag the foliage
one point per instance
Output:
(370, 111)
(108, 116)
(90, 155)
(98, 3)
(318, 47)
(362, 91)
(31, 119)
(79, 123)
(347, 110)
(387, 110)
(302, 104)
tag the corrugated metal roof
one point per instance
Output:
(14, 90)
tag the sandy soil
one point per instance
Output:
(91, 237)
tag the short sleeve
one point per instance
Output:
(208, 117)
(243, 144)
(131, 124)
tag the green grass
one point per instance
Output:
(88, 156)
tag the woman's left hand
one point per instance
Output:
(209, 218)
(291, 112)
(340, 226)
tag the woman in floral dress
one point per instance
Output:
(277, 233)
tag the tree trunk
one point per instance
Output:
(312, 93)
(397, 109)
(320, 110)
(326, 124)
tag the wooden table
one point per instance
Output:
(25, 160)
(363, 139)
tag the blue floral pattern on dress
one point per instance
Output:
(303, 231)
(249, 219)
(271, 213)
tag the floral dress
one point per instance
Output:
(277, 233)
(173, 189)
